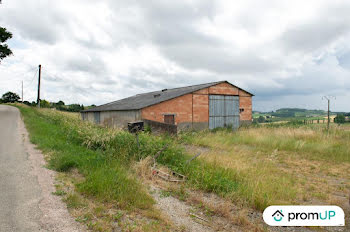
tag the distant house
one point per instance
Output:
(210, 105)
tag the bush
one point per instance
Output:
(45, 104)
(261, 119)
(340, 118)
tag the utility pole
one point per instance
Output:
(22, 91)
(328, 98)
(38, 102)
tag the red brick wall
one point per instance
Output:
(223, 89)
(200, 108)
(182, 106)
(246, 104)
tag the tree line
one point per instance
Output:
(11, 97)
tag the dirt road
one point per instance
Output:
(26, 200)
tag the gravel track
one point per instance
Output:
(26, 186)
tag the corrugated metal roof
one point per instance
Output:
(140, 101)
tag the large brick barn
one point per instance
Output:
(210, 105)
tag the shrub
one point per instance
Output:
(261, 119)
(340, 118)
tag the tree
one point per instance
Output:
(60, 103)
(340, 118)
(4, 49)
(75, 107)
(27, 103)
(261, 119)
(10, 97)
(45, 104)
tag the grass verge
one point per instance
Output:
(104, 157)
(105, 180)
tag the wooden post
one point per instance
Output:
(38, 101)
(328, 116)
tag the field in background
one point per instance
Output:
(253, 168)
(294, 114)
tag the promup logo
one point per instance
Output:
(304, 216)
(278, 215)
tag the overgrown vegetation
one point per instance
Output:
(255, 166)
(104, 157)
(279, 163)
(60, 105)
(72, 144)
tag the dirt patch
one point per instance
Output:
(181, 214)
(192, 210)
(55, 216)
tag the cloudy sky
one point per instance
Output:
(288, 53)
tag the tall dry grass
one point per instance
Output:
(273, 163)
(310, 142)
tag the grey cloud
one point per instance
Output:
(172, 28)
(174, 23)
(218, 59)
(39, 22)
(140, 79)
(86, 63)
(316, 79)
(344, 60)
(329, 26)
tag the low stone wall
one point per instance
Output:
(197, 126)
(161, 127)
(245, 122)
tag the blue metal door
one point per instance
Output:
(223, 111)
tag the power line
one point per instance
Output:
(31, 81)
(32, 78)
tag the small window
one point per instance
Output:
(169, 119)
(241, 110)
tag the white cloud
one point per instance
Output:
(99, 51)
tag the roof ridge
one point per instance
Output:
(215, 82)
(140, 101)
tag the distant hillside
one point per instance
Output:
(296, 112)
(290, 114)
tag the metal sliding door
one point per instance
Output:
(223, 111)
